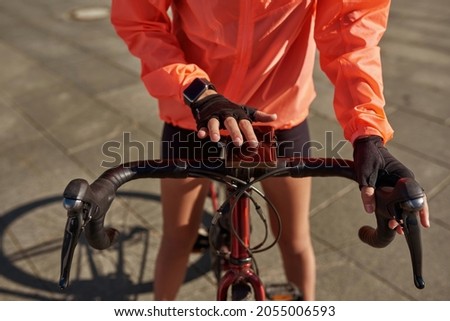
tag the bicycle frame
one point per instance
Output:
(239, 269)
(240, 262)
(87, 205)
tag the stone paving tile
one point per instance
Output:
(133, 102)
(422, 136)
(12, 123)
(339, 278)
(93, 75)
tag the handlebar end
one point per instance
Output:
(63, 283)
(370, 236)
(419, 282)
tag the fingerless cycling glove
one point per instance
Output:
(217, 106)
(371, 159)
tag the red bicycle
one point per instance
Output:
(229, 234)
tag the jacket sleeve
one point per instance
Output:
(145, 27)
(347, 34)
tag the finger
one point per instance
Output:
(368, 198)
(202, 132)
(399, 230)
(235, 133)
(213, 129)
(264, 117)
(394, 225)
(424, 214)
(249, 134)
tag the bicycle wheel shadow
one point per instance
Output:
(31, 271)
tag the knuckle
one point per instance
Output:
(245, 124)
(229, 121)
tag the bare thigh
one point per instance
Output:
(291, 198)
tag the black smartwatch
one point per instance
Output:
(193, 92)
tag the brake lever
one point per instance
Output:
(79, 212)
(403, 204)
(410, 223)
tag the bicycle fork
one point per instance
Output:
(240, 269)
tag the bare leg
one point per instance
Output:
(291, 198)
(182, 203)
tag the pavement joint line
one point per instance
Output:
(93, 97)
(361, 266)
(424, 116)
(25, 256)
(438, 188)
(76, 45)
(98, 141)
(420, 154)
(441, 223)
(49, 137)
(328, 202)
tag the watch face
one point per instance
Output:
(194, 90)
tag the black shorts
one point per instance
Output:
(181, 143)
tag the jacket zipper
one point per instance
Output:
(243, 50)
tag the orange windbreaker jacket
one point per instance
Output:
(261, 53)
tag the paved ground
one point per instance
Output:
(68, 87)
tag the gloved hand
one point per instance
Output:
(370, 156)
(218, 107)
(370, 159)
(215, 112)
